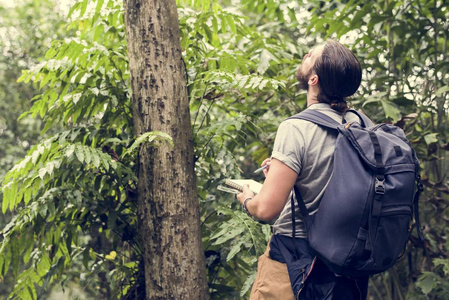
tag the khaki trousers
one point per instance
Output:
(272, 280)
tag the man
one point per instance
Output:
(302, 156)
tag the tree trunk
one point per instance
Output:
(167, 202)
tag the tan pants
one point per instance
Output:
(272, 280)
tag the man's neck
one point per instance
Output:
(312, 96)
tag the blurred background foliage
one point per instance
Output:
(68, 163)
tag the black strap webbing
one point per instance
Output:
(318, 118)
(301, 204)
(379, 188)
(377, 155)
(419, 190)
(314, 116)
(364, 120)
(302, 209)
(295, 254)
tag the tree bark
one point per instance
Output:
(167, 201)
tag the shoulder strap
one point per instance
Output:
(316, 117)
(321, 119)
(304, 213)
(364, 120)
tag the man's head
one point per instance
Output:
(334, 69)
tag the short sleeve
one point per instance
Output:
(289, 145)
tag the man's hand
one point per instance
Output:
(267, 161)
(276, 189)
(247, 193)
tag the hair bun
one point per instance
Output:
(339, 105)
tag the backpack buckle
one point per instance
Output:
(420, 185)
(379, 186)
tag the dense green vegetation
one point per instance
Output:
(69, 202)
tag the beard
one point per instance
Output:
(303, 78)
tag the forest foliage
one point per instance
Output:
(70, 201)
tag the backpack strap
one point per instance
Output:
(317, 117)
(364, 120)
(304, 213)
(302, 205)
(314, 116)
(379, 188)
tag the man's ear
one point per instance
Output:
(313, 80)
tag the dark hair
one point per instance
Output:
(339, 74)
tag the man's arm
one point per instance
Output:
(278, 184)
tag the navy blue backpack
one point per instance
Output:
(363, 222)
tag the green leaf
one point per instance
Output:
(79, 152)
(228, 232)
(83, 7)
(231, 23)
(87, 155)
(43, 265)
(105, 159)
(427, 282)
(442, 90)
(95, 159)
(15, 256)
(69, 150)
(431, 138)
(148, 137)
(42, 172)
(68, 241)
(86, 257)
(264, 58)
(248, 283)
(27, 195)
(234, 250)
(112, 218)
(263, 83)
(5, 200)
(31, 292)
(7, 259)
(391, 111)
(99, 5)
(47, 78)
(12, 195)
(442, 262)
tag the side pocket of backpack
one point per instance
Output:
(392, 235)
(358, 249)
